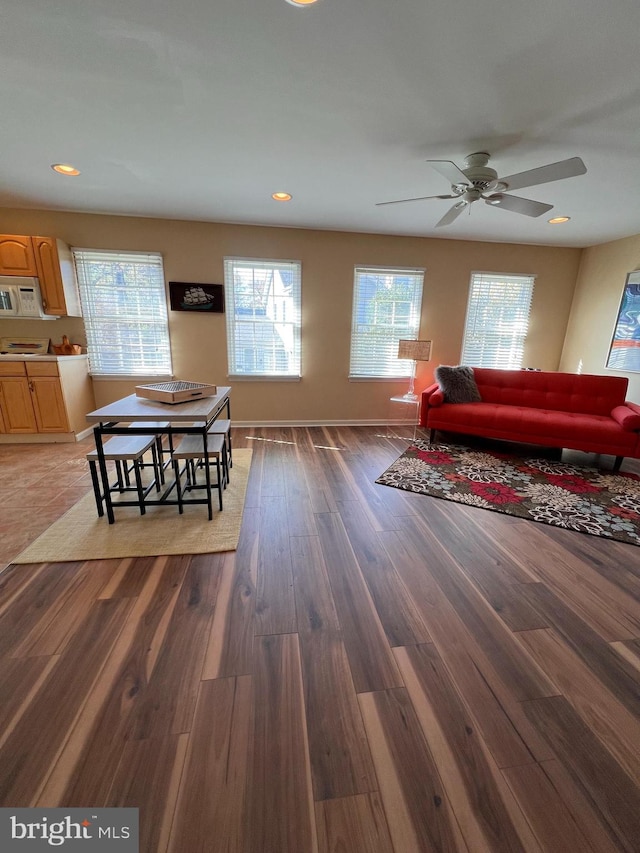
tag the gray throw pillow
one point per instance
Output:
(457, 384)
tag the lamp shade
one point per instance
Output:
(414, 350)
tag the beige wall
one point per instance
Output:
(194, 251)
(601, 279)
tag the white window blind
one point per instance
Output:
(125, 312)
(386, 309)
(497, 320)
(263, 312)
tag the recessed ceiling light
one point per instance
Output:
(65, 169)
(302, 2)
(281, 196)
(558, 219)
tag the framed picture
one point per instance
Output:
(624, 352)
(191, 296)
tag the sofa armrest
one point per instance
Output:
(430, 397)
(628, 416)
(633, 406)
(433, 395)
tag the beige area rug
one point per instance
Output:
(81, 535)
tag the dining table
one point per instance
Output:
(151, 417)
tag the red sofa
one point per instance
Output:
(582, 412)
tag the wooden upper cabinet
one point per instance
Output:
(52, 262)
(57, 276)
(17, 256)
(48, 266)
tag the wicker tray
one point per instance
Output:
(178, 391)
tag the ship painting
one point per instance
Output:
(193, 296)
(196, 299)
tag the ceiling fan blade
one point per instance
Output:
(453, 213)
(421, 198)
(545, 174)
(449, 171)
(518, 205)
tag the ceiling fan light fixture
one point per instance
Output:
(558, 220)
(480, 181)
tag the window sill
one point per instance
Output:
(243, 377)
(125, 377)
(379, 378)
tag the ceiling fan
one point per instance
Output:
(479, 181)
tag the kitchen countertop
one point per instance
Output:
(14, 356)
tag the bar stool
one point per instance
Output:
(125, 449)
(155, 425)
(224, 427)
(191, 450)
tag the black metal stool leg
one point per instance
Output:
(176, 471)
(160, 457)
(96, 488)
(139, 488)
(157, 468)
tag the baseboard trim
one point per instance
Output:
(45, 437)
(38, 438)
(84, 433)
(373, 422)
(66, 438)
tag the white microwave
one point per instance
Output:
(20, 297)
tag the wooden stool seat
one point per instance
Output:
(223, 425)
(191, 449)
(160, 449)
(124, 449)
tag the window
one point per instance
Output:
(386, 308)
(497, 320)
(262, 300)
(125, 312)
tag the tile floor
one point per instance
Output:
(38, 484)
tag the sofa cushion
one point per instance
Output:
(626, 417)
(457, 384)
(544, 426)
(564, 392)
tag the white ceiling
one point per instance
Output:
(200, 109)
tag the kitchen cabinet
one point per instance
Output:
(57, 276)
(17, 407)
(17, 256)
(45, 397)
(48, 404)
(51, 261)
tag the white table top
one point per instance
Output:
(133, 408)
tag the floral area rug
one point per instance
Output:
(570, 496)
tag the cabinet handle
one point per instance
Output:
(31, 387)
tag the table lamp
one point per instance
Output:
(415, 351)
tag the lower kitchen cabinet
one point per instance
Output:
(48, 404)
(45, 397)
(17, 406)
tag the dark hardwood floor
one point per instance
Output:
(371, 670)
